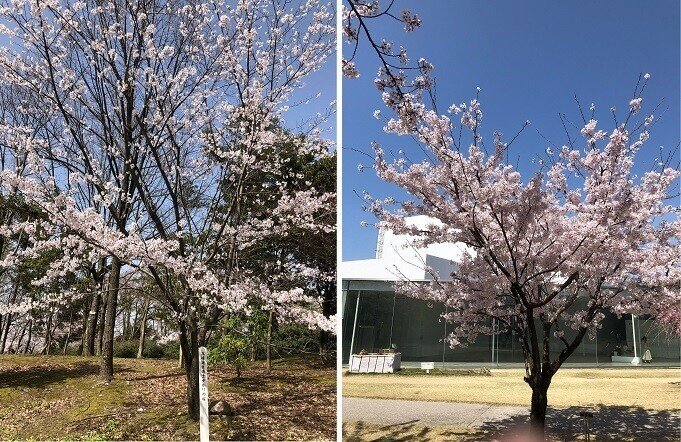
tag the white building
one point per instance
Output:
(375, 318)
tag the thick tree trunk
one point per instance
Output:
(189, 342)
(538, 409)
(192, 371)
(323, 342)
(106, 364)
(143, 330)
(92, 322)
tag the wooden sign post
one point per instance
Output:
(203, 395)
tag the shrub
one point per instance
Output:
(229, 350)
(125, 349)
(153, 350)
(292, 338)
(171, 350)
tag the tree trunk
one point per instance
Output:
(92, 322)
(106, 364)
(538, 408)
(100, 321)
(268, 345)
(68, 335)
(134, 328)
(323, 342)
(328, 309)
(4, 332)
(86, 313)
(30, 332)
(143, 330)
(8, 318)
(190, 351)
(48, 335)
(21, 337)
(192, 371)
(126, 323)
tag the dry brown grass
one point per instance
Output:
(60, 398)
(648, 388)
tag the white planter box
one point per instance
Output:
(387, 363)
(626, 359)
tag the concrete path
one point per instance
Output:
(391, 411)
(611, 423)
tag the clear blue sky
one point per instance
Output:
(323, 82)
(529, 57)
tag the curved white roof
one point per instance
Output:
(397, 259)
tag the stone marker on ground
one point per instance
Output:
(221, 408)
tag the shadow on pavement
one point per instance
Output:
(607, 424)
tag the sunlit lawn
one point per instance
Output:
(648, 388)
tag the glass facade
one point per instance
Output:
(374, 320)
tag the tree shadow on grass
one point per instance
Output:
(279, 400)
(41, 376)
(609, 423)
(158, 376)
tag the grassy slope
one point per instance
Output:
(60, 397)
(648, 388)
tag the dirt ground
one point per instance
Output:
(60, 397)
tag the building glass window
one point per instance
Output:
(382, 320)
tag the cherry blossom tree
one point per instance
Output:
(544, 253)
(162, 115)
(357, 18)
(583, 227)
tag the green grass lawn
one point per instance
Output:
(61, 398)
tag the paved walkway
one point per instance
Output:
(607, 422)
(391, 411)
